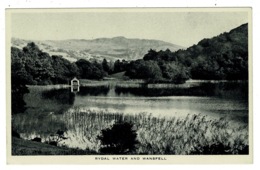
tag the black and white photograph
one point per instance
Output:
(130, 84)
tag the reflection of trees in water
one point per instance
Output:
(226, 90)
(63, 96)
(95, 91)
(18, 103)
(42, 117)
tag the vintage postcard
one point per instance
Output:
(129, 86)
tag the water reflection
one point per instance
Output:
(52, 110)
(223, 90)
(63, 96)
(94, 91)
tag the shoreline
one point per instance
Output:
(26, 147)
(135, 84)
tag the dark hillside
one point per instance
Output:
(222, 57)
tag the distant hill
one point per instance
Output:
(109, 48)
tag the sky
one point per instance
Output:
(181, 28)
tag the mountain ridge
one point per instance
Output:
(110, 48)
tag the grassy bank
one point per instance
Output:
(26, 147)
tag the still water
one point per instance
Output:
(50, 109)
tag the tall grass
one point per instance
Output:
(161, 135)
(194, 134)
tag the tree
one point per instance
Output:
(33, 66)
(120, 66)
(37, 64)
(106, 66)
(32, 48)
(120, 139)
(175, 73)
(19, 79)
(63, 69)
(151, 55)
(147, 70)
(90, 70)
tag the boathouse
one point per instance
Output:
(74, 85)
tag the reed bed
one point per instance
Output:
(180, 136)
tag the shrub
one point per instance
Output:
(120, 139)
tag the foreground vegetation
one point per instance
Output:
(194, 134)
(26, 147)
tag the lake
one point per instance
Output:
(83, 114)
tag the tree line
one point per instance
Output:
(224, 57)
(221, 57)
(32, 66)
